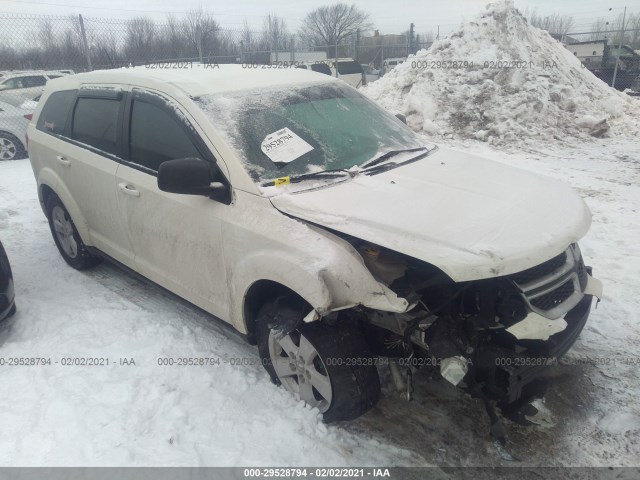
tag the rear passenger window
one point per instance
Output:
(35, 81)
(95, 122)
(55, 112)
(156, 136)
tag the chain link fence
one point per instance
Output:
(609, 55)
(36, 48)
(34, 42)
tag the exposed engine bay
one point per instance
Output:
(492, 338)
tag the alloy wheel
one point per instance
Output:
(300, 369)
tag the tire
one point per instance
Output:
(354, 389)
(11, 148)
(13, 311)
(66, 236)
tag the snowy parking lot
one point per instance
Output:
(132, 411)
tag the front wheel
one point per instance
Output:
(327, 366)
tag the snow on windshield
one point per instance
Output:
(343, 128)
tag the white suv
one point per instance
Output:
(318, 225)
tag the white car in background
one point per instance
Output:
(13, 128)
(348, 70)
(319, 67)
(390, 63)
(18, 87)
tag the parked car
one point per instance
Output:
(13, 128)
(317, 224)
(7, 294)
(30, 104)
(348, 70)
(319, 67)
(390, 63)
(16, 88)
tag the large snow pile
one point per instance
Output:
(501, 80)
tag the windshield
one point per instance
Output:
(333, 126)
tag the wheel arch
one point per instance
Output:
(258, 294)
(46, 189)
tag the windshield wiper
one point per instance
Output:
(388, 155)
(337, 173)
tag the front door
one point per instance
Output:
(176, 238)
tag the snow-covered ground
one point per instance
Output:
(146, 414)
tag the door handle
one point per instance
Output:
(63, 160)
(128, 189)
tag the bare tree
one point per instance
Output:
(201, 30)
(175, 37)
(333, 24)
(555, 23)
(141, 35)
(598, 28)
(274, 32)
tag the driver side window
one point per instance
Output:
(155, 136)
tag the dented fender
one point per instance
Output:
(321, 267)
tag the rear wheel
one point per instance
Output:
(11, 148)
(66, 236)
(327, 366)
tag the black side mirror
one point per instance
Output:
(402, 118)
(190, 176)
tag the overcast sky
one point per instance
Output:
(388, 16)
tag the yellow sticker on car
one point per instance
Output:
(278, 182)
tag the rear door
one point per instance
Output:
(88, 164)
(176, 238)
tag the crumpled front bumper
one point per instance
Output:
(508, 372)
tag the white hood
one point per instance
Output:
(471, 217)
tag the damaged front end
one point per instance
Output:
(493, 337)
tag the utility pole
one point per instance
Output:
(615, 69)
(85, 43)
(411, 27)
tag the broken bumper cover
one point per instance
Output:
(508, 376)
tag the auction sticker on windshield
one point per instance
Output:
(284, 146)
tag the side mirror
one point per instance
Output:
(402, 118)
(190, 176)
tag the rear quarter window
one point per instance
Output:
(56, 112)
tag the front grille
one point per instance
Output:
(531, 274)
(554, 287)
(582, 274)
(554, 297)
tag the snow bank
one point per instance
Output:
(500, 80)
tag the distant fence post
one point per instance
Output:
(292, 48)
(615, 70)
(84, 42)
